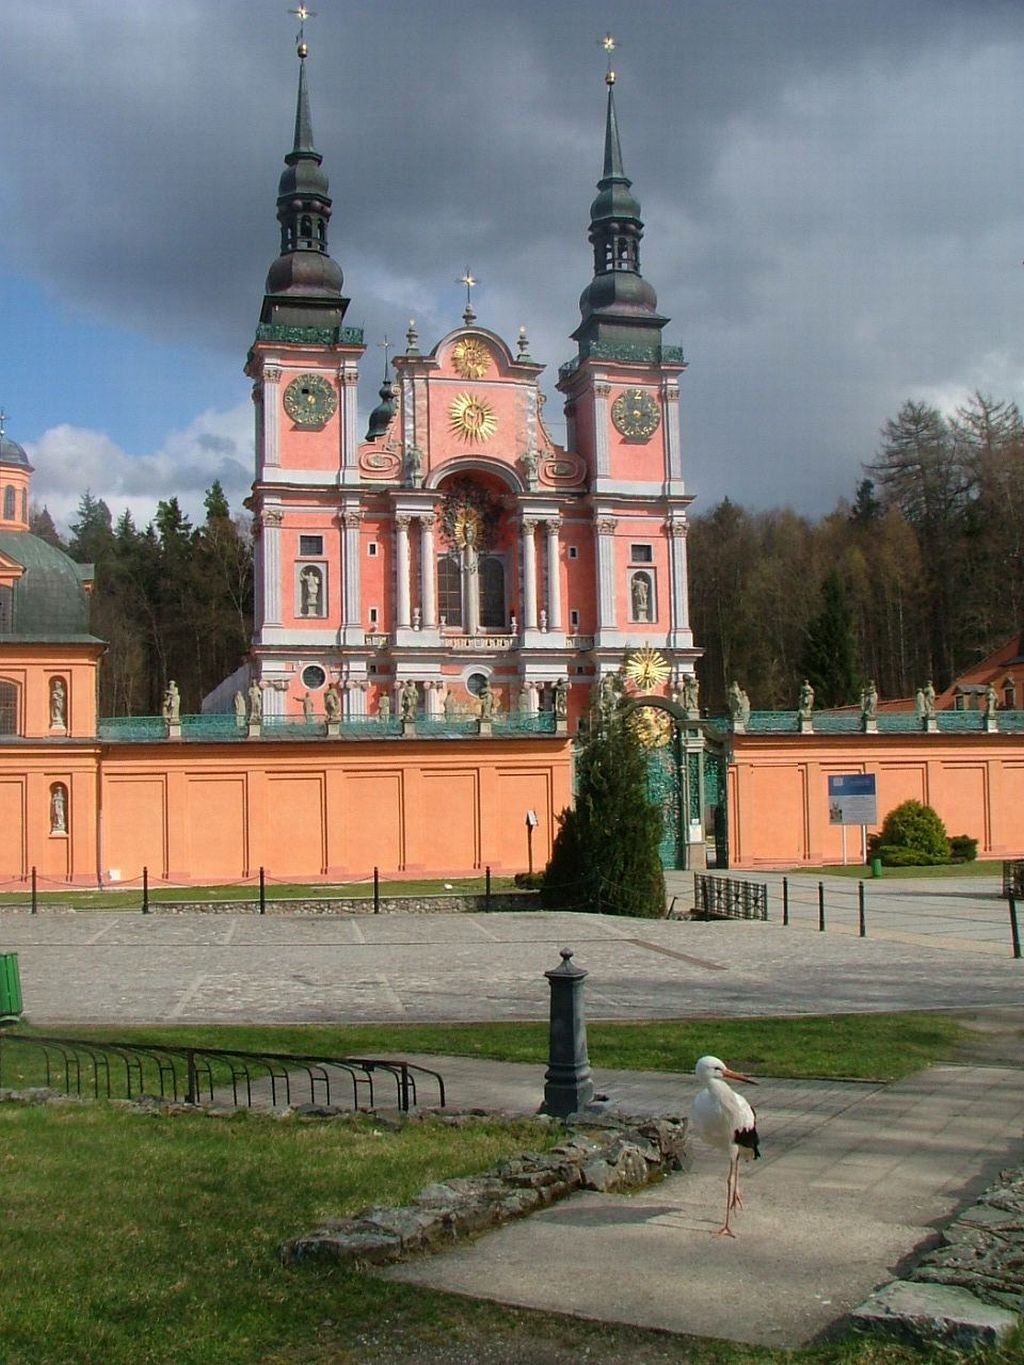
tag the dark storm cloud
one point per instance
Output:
(833, 192)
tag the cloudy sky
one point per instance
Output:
(833, 193)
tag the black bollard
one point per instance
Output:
(568, 1086)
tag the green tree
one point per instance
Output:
(605, 857)
(41, 524)
(912, 835)
(830, 648)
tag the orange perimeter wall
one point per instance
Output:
(778, 791)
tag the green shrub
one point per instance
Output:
(894, 856)
(529, 881)
(964, 848)
(917, 827)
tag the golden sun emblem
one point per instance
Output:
(472, 418)
(651, 726)
(471, 358)
(646, 669)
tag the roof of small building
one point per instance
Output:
(50, 602)
(13, 454)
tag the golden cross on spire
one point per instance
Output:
(609, 44)
(468, 280)
(385, 346)
(302, 13)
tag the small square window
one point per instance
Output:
(574, 552)
(642, 554)
(373, 616)
(311, 545)
(371, 549)
(574, 619)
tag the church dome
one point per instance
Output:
(13, 454)
(306, 273)
(48, 600)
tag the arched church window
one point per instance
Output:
(641, 594)
(1010, 693)
(24, 504)
(8, 708)
(321, 234)
(6, 609)
(306, 228)
(492, 594)
(8, 503)
(449, 591)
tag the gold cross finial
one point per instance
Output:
(470, 283)
(609, 44)
(302, 13)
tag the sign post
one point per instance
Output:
(852, 801)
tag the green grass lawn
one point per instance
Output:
(855, 1046)
(978, 868)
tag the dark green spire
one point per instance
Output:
(304, 284)
(618, 307)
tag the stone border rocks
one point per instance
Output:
(606, 1153)
(969, 1290)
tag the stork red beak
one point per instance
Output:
(738, 1076)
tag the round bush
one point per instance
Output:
(916, 827)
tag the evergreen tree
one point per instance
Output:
(41, 524)
(605, 857)
(830, 648)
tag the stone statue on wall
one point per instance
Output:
(171, 708)
(255, 704)
(739, 703)
(410, 700)
(641, 590)
(240, 708)
(691, 693)
(307, 708)
(58, 811)
(805, 705)
(869, 702)
(562, 698)
(384, 707)
(58, 703)
(486, 701)
(991, 700)
(449, 704)
(414, 466)
(332, 705)
(311, 582)
(926, 701)
(531, 466)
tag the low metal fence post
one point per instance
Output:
(263, 890)
(785, 901)
(860, 910)
(376, 890)
(487, 889)
(35, 893)
(192, 1086)
(1014, 926)
(145, 890)
(821, 907)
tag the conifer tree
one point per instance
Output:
(830, 648)
(605, 857)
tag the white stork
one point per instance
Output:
(725, 1120)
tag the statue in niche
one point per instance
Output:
(805, 704)
(240, 708)
(487, 700)
(641, 591)
(332, 704)
(311, 583)
(739, 703)
(255, 703)
(384, 707)
(531, 466)
(608, 695)
(58, 811)
(869, 702)
(691, 693)
(58, 704)
(410, 700)
(307, 708)
(414, 466)
(562, 698)
(171, 708)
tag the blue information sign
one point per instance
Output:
(852, 799)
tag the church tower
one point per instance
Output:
(621, 403)
(305, 499)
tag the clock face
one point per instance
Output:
(636, 415)
(310, 401)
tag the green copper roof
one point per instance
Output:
(48, 602)
(13, 454)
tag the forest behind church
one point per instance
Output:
(918, 577)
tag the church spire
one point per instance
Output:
(618, 307)
(304, 284)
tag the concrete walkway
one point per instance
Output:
(854, 1178)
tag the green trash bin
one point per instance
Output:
(876, 867)
(10, 987)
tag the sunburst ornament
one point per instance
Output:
(651, 726)
(646, 669)
(472, 418)
(471, 358)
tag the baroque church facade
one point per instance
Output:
(452, 549)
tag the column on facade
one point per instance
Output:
(554, 578)
(271, 421)
(270, 537)
(602, 392)
(680, 583)
(606, 573)
(529, 574)
(403, 619)
(351, 567)
(673, 452)
(471, 580)
(428, 575)
(348, 380)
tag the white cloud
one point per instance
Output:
(215, 445)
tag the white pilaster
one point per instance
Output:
(403, 615)
(554, 578)
(271, 519)
(471, 581)
(269, 452)
(602, 392)
(605, 528)
(673, 448)
(348, 380)
(529, 574)
(352, 571)
(428, 572)
(680, 615)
